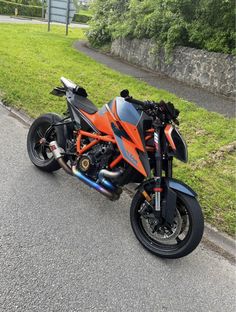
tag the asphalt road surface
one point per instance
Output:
(64, 247)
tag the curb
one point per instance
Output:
(215, 240)
(18, 114)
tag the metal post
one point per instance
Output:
(67, 16)
(49, 14)
(43, 9)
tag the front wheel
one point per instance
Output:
(175, 242)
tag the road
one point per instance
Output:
(13, 20)
(64, 247)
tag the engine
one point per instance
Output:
(96, 159)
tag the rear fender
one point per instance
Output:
(62, 131)
(61, 135)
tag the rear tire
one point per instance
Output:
(40, 154)
(166, 249)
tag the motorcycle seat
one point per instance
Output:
(85, 104)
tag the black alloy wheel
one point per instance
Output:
(38, 145)
(175, 242)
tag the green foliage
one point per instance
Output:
(85, 12)
(8, 8)
(203, 24)
(27, 2)
(81, 18)
(107, 16)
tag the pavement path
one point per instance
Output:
(13, 20)
(64, 247)
(199, 96)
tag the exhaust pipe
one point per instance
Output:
(95, 185)
(109, 174)
(58, 156)
(103, 174)
(73, 171)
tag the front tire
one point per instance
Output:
(188, 229)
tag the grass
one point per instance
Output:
(31, 64)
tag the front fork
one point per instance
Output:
(158, 169)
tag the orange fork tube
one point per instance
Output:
(148, 137)
(150, 148)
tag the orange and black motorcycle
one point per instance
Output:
(125, 141)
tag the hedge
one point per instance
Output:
(201, 24)
(8, 8)
(81, 18)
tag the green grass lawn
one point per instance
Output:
(31, 64)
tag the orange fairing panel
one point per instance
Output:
(168, 130)
(133, 133)
(129, 118)
(128, 150)
(100, 121)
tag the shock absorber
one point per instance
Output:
(158, 169)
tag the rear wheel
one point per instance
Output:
(37, 146)
(175, 242)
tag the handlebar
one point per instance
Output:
(164, 111)
(134, 101)
(125, 94)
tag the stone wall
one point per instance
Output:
(212, 71)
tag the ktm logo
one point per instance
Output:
(131, 158)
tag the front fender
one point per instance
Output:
(180, 187)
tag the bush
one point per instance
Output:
(203, 24)
(27, 2)
(81, 18)
(8, 8)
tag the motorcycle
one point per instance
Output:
(126, 141)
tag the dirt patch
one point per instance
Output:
(216, 156)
